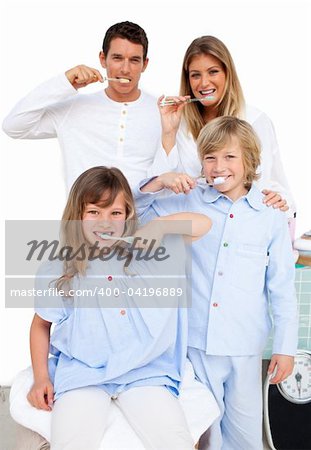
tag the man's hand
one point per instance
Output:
(81, 76)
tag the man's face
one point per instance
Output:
(123, 60)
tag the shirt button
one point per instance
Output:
(125, 104)
(121, 139)
(122, 312)
(110, 278)
(122, 126)
(226, 244)
(123, 112)
(231, 216)
(215, 305)
(220, 273)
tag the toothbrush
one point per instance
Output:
(128, 239)
(171, 102)
(120, 80)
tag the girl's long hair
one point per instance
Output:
(89, 187)
(232, 101)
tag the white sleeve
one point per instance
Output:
(164, 162)
(182, 158)
(272, 172)
(38, 115)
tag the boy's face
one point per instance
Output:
(123, 60)
(227, 163)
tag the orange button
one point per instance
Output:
(122, 312)
(215, 305)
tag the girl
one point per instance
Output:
(208, 72)
(110, 341)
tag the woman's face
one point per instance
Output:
(98, 220)
(207, 78)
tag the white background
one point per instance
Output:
(269, 42)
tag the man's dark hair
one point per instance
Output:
(126, 30)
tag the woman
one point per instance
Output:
(208, 73)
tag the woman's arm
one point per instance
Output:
(170, 120)
(41, 394)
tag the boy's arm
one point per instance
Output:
(31, 118)
(280, 281)
(41, 393)
(150, 190)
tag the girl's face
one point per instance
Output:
(227, 163)
(98, 220)
(207, 78)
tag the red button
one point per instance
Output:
(231, 216)
(215, 305)
(122, 312)
(110, 278)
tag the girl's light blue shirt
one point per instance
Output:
(110, 334)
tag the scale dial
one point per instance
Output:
(297, 387)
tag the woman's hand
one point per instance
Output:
(170, 120)
(274, 199)
(41, 395)
(171, 114)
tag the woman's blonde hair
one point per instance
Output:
(218, 132)
(232, 101)
(89, 187)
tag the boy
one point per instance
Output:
(245, 258)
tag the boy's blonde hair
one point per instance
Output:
(218, 132)
(232, 101)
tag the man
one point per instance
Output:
(118, 126)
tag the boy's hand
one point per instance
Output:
(283, 364)
(81, 76)
(41, 395)
(274, 199)
(177, 182)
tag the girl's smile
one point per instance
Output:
(100, 220)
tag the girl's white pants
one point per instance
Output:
(79, 417)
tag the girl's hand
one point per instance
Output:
(283, 364)
(171, 114)
(41, 395)
(177, 182)
(274, 199)
(150, 235)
